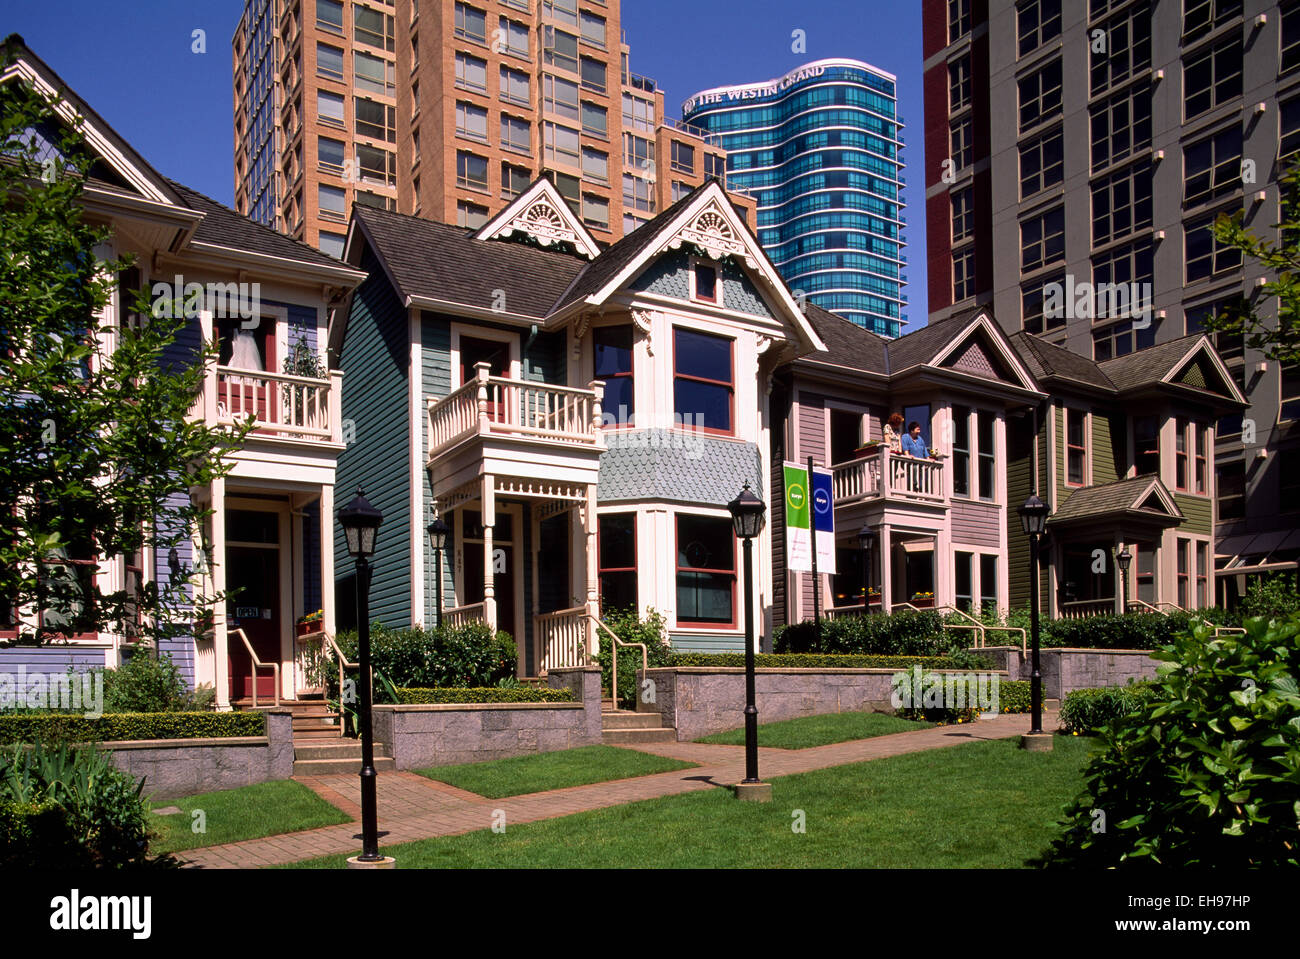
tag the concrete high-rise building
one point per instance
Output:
(1071, 145)
(447, 110)
(820, 151)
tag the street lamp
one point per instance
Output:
(1033, 517)
(866, 540)
(747, 516)
(1123, 559)
(438, 540)
(360, 522)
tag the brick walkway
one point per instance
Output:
(412, 807)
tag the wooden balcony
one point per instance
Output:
(889, 477)
(537, 432)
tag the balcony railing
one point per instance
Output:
(283, 406)
(888, 475)
(561, 638)
(495, 406)
(1084, 608)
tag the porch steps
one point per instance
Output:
(312, 717)
(340, 757)
(627, 728)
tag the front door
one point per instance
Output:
(253, 599)
(504, 573)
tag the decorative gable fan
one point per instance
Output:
(540, 214)
(711, 232)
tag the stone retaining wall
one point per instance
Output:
(702, 700)
(1064, 670)
(185, 767)
(438, 734)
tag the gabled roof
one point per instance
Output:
(540, 212)
(847, 344)
(1141, 498)
(1165, 363)
(1050, 362)
(436, 264)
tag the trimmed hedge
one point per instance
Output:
(903, 633)
(1015, 696)
(72, 728)
(526, 694)
(1134, 631)
(447, 656)
(807, 661)
(1088, 711)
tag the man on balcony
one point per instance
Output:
(912, 443)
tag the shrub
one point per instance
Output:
(144, 684)
(1203, 772)
(1271, 596)
(904, 633)
(74, 728)
(496, 694)
(805, 661)
(628, 626)
(1014, 696)
(468, 655)
(1089, 710)
(62, 808)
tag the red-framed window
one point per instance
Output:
(613, 365)
(70, 573)
(1145, 565)
(1076, 447)
(1184, 571)
(1200, 446)
(616, 548)
(706, 571)
(1181, 478)
(706, 282)
(1202, 575)
(704, 391)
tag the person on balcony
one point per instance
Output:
(912, 444)
(893, 430)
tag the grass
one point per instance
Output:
(249, 812)
(984, 805)
(809, 731)
(555, 770)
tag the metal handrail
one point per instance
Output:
(1218, 630)
(613, 680)
(345, 664)
(258, 664)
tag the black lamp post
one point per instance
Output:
(360, 522)
(747, 516)
(438, 540)
(1033, 516)
(1123, 559)
(866, 539)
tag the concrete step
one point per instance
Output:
(325, 733)
(311, 722)
(626, 737)
(339, 767)
(337, 749)
(612, 720)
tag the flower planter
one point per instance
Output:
(866, 452)
(306, 629)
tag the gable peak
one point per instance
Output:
(541, 213)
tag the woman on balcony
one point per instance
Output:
(892, 431)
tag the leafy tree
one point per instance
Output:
(1280, 342)
(97, 456)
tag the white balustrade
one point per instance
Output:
(561, 638)
(284, 406)
(502, 407)
(905, 478)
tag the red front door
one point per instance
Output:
(253, 605)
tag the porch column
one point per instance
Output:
(945, 590)
(886, 569)
(489, 580)
(220, 650)
(590, 526)
(327, 559)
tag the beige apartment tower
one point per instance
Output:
(448, 109)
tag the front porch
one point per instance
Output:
(513, 466)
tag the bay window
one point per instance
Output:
(706, 571)
(703, 381)
(616, 547)
(613, 366)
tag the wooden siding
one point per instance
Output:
(375, 359)
(1198, 511)
(435, 373)
(1107, 447)
(975, 524)
(707, 642)
(1020, 483)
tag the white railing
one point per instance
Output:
(888, 474)
(1164, 607)
(460, 615)
(283, 406)
(493, 405)
(1083, 608)
(205, 659)
(561, 638)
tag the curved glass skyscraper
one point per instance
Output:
(819, 149)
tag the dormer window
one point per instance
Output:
(706, 282)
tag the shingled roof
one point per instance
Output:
(444, 262)
(1122, 498)
(222, 226)
(848, 344)
(1048, 361)
(1150, 365)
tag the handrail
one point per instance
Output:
(1218, 630)
(344, 663)
(616, 642)
(258, 664)
(542, 639)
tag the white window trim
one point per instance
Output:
(480, 333)
(717, 287)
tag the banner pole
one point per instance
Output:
(817, 584)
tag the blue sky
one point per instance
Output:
(133, 62)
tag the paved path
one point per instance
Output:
(412, 807)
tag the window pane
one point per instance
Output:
(706, 561)
(698, 354)
(329, 107)
(329, 61)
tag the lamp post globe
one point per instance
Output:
(747, 516)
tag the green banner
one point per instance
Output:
(798, 518)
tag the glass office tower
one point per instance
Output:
(819, 150)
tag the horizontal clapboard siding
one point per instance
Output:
(975, 524)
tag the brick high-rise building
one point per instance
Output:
(1095, 143)
(447, 110)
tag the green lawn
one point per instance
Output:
(819, 730)
(979, 805)
(249, 812)
(555, 770)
